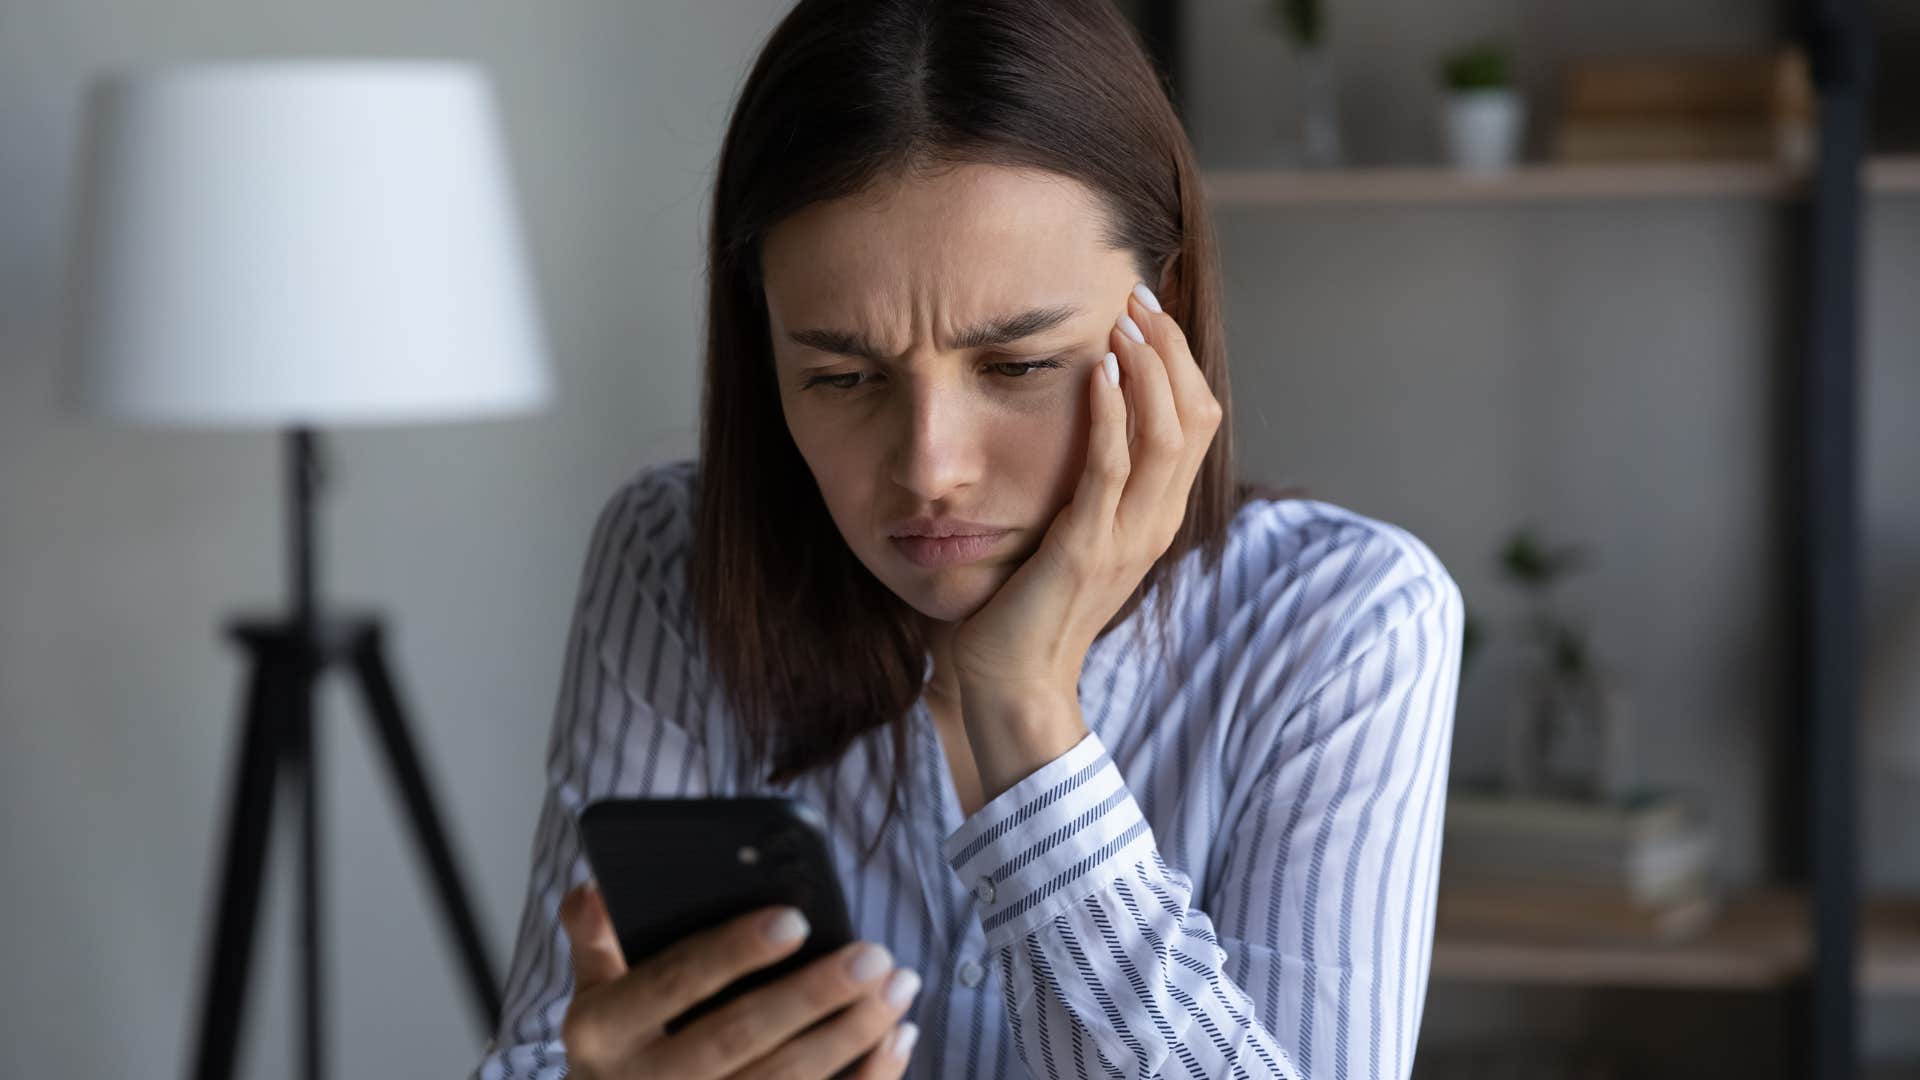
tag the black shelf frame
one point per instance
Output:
(1820, 851)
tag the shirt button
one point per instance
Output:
(983, 890)
(970, 973)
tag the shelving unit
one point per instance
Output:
(1810, 936)
(1761, 941)
(1891, 174)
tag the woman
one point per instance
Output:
(940, 231)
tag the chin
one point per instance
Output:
(950, 595)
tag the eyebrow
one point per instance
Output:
(1001, 330)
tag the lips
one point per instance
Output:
(938, 551)
(941, 527)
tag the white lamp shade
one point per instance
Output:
(298, 242)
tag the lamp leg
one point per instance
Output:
(249, 825)
(300, 764)
(391, 726)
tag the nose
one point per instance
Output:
(934, 450)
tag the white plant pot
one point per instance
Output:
(1482, 129)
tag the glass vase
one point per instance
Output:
(1570, 737)
(1316, 125)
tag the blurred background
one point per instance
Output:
(1524, 276)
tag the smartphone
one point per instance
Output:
(669, 868)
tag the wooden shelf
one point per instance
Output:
(1894, 173)
(1890, 947)
(1760, 941)
(1888, 174)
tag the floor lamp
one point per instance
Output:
(292, 244)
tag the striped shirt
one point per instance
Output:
(1231, 875)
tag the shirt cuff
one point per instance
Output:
(1048, 841)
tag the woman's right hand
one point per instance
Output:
(615, 1027)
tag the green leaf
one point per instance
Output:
(1304, 20)
(1528, 561)
(1481, 66)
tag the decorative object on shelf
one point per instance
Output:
(1636, 868)
(1316, 120)
(1568, 731)
(1745, 106)
(1484, 116)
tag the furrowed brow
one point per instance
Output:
(1002, 330)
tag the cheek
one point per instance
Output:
(822, 439)
(1034, 433)
(1055, 448)
(1053, 451)
(834, 460)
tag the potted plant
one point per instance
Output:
(1568, 731)
(1483, 115)
(1318, 120)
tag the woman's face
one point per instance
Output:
(897, 408)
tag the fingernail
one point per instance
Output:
(1131, 329)
(901, 988)
(1146, 296)
(903, 1039)
(1112, 367)
(786, 927)
(868, 962)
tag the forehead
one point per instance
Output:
(981, 233)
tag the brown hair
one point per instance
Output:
(845, 95)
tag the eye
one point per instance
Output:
(830, 381)
(1026, 366)
(1012, 370)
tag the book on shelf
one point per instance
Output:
(1642, 816)
(1593, 141)
(1757, 106)
(1706, 85)
(1671, 882)
(1652, 850)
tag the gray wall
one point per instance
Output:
(121, 551)
(1601, 369)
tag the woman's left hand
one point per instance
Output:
(1125, 512)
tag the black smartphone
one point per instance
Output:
(669, 868)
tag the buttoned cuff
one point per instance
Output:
(1049, 840)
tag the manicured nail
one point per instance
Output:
(1132, 329)
(902, 986)
(1112, 367)
(868, 962)
(903, 1038)
(786, 927)
(1146, 296)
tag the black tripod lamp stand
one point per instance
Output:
(285, 244)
